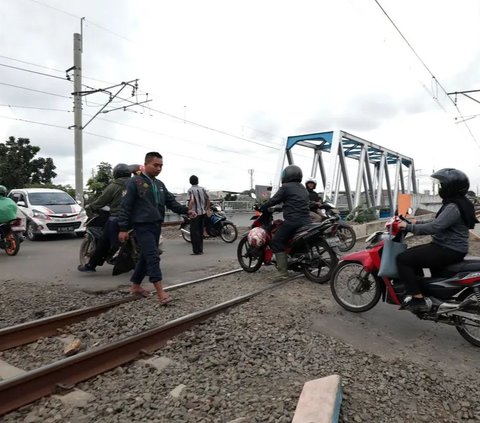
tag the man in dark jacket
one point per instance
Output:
(111, 197)
(143, 209)
(296, 213)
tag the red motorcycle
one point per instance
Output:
(307, 251)
(454, 291)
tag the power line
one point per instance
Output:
(80, 17)
(32, 71)
(33, 121)
(31, 89)
(114, 139)
(13, 106)
(428, 70)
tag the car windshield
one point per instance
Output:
(50, 199)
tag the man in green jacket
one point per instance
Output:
(111, 197)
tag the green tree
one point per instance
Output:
(19, 167)
(99, 180)
(230, 197)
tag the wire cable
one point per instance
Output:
(435, 80)
(32, 71)
(36, 91)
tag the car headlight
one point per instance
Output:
(39, 215)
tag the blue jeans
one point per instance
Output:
(148, 236)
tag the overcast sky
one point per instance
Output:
(231, 80)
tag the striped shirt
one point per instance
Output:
(200, 197)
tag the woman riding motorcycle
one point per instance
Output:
(450, 234)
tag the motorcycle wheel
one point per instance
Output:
(353, 288)
(250, 259)
(229, 232)
(470, 331)
(347, 238)
(13, 244)
(320, 262)
(186, 235)
(87, 248)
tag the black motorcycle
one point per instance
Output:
(217, 225)
(122, 257)
(308, 251)
(344, 233)
(11, 236)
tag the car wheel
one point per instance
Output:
(31, 229)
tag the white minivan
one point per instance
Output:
(49, 211)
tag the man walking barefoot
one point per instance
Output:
(143, 209)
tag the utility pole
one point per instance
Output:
(250, 171)
(77, 109)
(77, 106)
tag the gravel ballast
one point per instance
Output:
(250, 366)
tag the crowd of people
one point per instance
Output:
(138, 203)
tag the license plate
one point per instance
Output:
(65, 229)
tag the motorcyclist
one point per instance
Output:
(294, 197)
(8, 207)
(450, 235)
(314, 199)
(111, 196)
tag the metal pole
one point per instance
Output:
(77, 109)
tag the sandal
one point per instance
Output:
(165, 300)
(143, 292)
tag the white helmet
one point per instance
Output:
(257, 237)
(312, 180)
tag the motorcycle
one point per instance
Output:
(123, 258)
(455, 291)
(217, 226)
(345, 233)
(11, 235)
(307, 251)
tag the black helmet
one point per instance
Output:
(292, 173)
(3, 191)
(121, 170)
(453, 182)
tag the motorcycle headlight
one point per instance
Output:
(39, 215)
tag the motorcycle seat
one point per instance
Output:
(469, 264)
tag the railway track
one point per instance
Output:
(27, 332)
(65, 373)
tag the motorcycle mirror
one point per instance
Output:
(410, 211)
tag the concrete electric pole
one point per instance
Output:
(77, 110)
(250, 171)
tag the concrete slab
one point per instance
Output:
(8, 371)
(319, 401)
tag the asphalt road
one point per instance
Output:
(55, 259)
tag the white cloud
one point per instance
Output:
(259, 70)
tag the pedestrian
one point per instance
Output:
(111, 197)
(143, 210)
(199, 202)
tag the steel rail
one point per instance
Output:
(24, 333)
(23, 389)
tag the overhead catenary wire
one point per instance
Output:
(34, 90)
(116, 140)
(437, 82)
